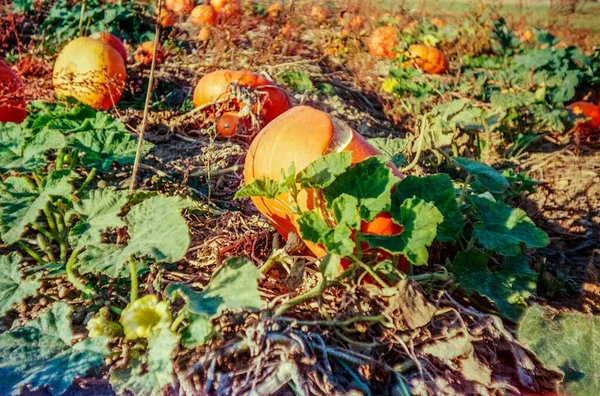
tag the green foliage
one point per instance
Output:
(14, 289)
(568, 342)
(42, 353)
(299, 81)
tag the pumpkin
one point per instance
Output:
(204, 34)
(180, 6)
(90, 71)
(203, 15)
(227, 123)
(287, 31)
(144, 53)
(430, 60)
(226, 8)
(438, 22)
(166, 18)
(526, 36)
(301, 135)
(111, 40)
(230, 10)
(382, 41)
(592, 114)
(216, 86)
(318, 14)
(275, 10)
(12, 105)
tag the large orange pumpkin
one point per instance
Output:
(12, 104)
(592, 114)
(180, 6)
(430, 60)
(217, 85)
(111, 40)
(300, 136)
(203, 15)
(382, 41)
(90, 71)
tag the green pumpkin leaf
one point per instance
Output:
(14, 289)
(507, 288)
(420, 220)
(505, 229)
(162, 349)
(23, 152)
(262, 187)
(392, 149)
(487, 176)
(42, 353)
(323, 171)
(336, 240)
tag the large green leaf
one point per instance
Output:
(505, 229)
(420, 221)
(370, 182)
(97, 211)
(336, 240)
(234, 286)
(392, 149)
(23, 152)
(489, 177)
(156, 229)
(323, 171)
(101, 148)
(13, 289)
(21, 202)
(569, 342)
(162, 350)
(438, 189)
(42, 353)
(135, 378)
(507, 288)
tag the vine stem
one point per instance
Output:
(463, 191)
(134, 279)
(87, 181)
(309, 295)
(138, 152)
(177, 322)
(415, 160)
(347, 322)
(32, 253)
(74, 279)
(369, 271)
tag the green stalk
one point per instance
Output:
(134, 279)
(45, 247)
(177, 322)
(38, 179)
(431, 277)
(461, 200)
(369, 271)
(75, 279)
(60, 158)
(87, 181)
(51, 222)
(36, 226)
(74, 159)
(31, 252)
(115, 310)
(309, 295)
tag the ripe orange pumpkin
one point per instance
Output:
(592, 114)
(526, 36)
(382, 41)
(204, 34)
(111, 40)
(216, 86)
(12, 104)
(203, 15)
(180, 6)
(287, 139)
(275, 10)
(438, 22)
(227, 123)
(144, 53)
(227, 8)
(166, 18)
(318, 14)
(430, 60)
(90, 71)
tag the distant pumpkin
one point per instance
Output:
(180, 6)
(430, 60)
(12, 104)
(204, 34)
(166, 18)
(203, 15)
(438, 22)
(275, 10)
(382, 42)
(145, 51)
(589, 117)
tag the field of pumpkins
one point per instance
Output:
(256, 197)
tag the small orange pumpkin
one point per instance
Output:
(430, 60)
(275, 10)
(287, 140)
(12, 104)
(203, 15)
(526, 36)
(438, 22)
(144, 53)
(180, 6)
(166, 18)
(111, 40)
(382, 42)
(216, 86)
(318, 14)
(227, 123)
(204, 34)
(226, 8)
(592, 114)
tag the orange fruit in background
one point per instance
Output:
(227, 123)
(166, 18)
(382, 41)
(430, 60)
(592, 114)
(438, 22)
(145, 51)
(180, 6)
(204, 34)
(90, 71)
(111, 40)
(12, 104)
(275, 10)
(318, 14)
(203, 15)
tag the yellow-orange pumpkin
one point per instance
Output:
(203, 15)
(430, 60)
(144, 53)
(111, 40)
(592, 114)
(166, 18)
(12, 104)
(300, 136)
(226, 8)
(204, 34)
(90, 71)
(382, 42)
(180, 6)
(275, 10)
(216, 86)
